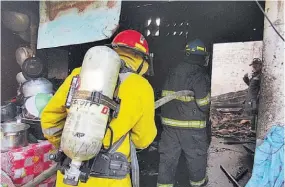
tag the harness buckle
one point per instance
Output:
(96, 98)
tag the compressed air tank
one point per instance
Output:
(86, 123)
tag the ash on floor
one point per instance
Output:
(232, 157)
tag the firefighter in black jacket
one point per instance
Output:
(185, 119)
(253, 81)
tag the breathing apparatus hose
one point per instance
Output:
(52, 170)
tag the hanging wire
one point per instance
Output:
(269, 20)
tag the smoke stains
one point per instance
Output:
(279, 6)
(111, 4)
(54, 7)
(115, 29)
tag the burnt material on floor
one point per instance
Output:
(234, 158)
(229, 118)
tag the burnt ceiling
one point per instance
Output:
(179, 22)
(215, 21)
(212, 21)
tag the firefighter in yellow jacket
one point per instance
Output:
(136, 113)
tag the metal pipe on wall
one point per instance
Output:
(33, 31)
(271, 107)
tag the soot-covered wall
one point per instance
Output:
(212, 22)
(9, 43)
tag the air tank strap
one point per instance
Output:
(98, 98)
(117, 144)
(95, 97)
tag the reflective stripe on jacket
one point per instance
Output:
(184, 124)
(201, 102)
(182, 98)
(187, 76)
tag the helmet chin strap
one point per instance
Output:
(140, 67)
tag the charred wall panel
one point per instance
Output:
(9, 66)
(212, 22)
(9, 43)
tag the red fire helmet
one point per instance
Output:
(132, 39)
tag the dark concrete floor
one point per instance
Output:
(232, 157)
